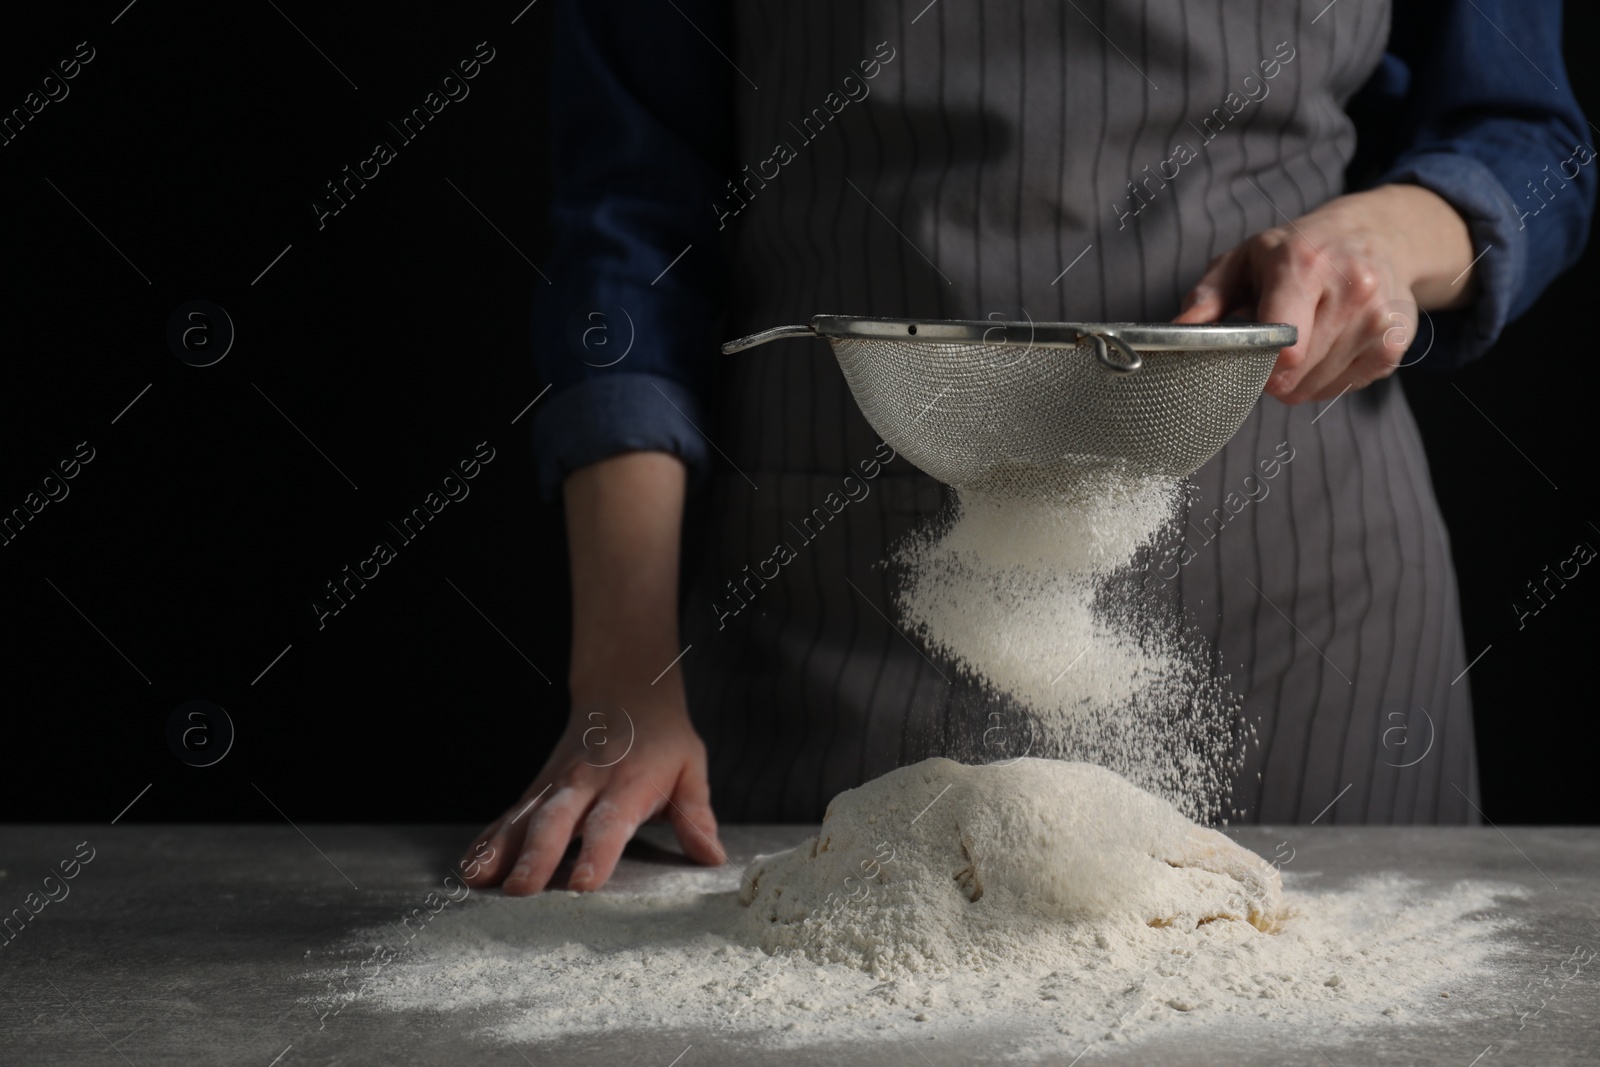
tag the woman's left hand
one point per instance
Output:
(1351, 275)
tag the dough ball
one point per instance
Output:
(940, 864)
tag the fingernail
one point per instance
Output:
(519, 871)
(582, 875)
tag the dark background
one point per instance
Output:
(395, 339)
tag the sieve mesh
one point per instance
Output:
(1041, 410)
(1011, 421)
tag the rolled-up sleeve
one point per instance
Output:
(624, 330)
(1473, 103)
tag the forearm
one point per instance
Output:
(1496, 133)
(624, 523)
(599, 783)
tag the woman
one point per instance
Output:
(723, 171)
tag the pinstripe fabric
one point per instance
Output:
(985, 161)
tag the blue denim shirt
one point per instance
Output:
(1471, 101)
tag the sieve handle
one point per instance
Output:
(1103, 343)
(777, 333)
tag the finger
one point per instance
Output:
(1219, 290)
(491, 854)
(547, 837)
(692, 819)
(494, 850)
(1292, 292)
(607, 830)
(471, 864)
(1371, 366)
(498, 847)
(1343, 365)
(1359, 331)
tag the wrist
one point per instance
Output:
(616, 689)
(632, 657)
(1429, 244)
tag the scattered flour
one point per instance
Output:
(968, 900)
(1020, 594)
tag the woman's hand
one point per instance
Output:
(1351, 275)
(629, 752)
(612, 770)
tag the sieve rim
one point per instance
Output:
(1150, 336)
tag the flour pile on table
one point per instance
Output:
(939, 865)
(944, 899)
(1020, 593)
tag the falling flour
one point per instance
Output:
(1021, 594)
(1049, 906)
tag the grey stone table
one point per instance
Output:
(189, 944)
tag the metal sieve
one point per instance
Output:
(1048, 409)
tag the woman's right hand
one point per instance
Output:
(612, 770)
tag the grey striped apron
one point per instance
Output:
(1019, 157)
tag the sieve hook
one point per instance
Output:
(1103, 343)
